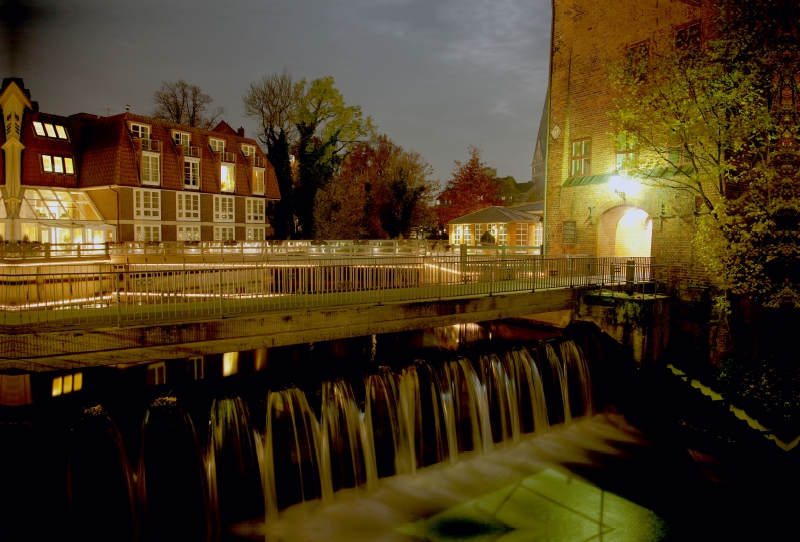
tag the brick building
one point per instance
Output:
(90, 179)
(592, 208)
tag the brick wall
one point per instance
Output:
(584, 40)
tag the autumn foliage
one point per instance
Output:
(471, 189)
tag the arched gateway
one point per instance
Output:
(625, 230)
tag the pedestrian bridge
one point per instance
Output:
(65, 316)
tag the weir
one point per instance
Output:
(273, 451)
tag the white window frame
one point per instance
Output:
(256, 233)
(151, 176)
(521, 235)
(51, 164)
(188, 232)
(259, 183)
(224, 209)
(159, 373)
(147, 232)
(255, 210)
(146, 204)
(224, 233)
(193, 183)
(197, 367)
(217, 145)
(248, 150)
(187, 206)
(140, 131)
(182, 138)
(538, 234)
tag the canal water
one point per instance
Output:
(477, 431)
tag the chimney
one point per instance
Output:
(240, 131)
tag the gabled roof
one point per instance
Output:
(495, 215)
(532, 207)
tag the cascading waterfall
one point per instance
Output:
(234, 476)
(99, 465)
(292, 453)
(351, 459)
(531, 403)
(385, 425)
(171, 482)
(470, 407)
(430, 413)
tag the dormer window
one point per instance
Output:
(248, 150)
(45, 129)
(181, 138)
(140, 131)
(217, 145)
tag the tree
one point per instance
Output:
(271, 102)
(380, 192)
(471, 189)
(326, 131)
(185, 104)
(717, 120)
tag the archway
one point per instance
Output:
(625, 231)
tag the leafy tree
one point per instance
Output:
(471, 189)
(326, 129)
(718, 120)
(182, 103)
(381, 191)
(271, 102)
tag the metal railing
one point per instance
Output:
(152, 145)
(259, 161)
(227, 157)
(129, 294)
(190, 151)
(15, 253)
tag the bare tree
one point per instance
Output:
(271, 102)
(182, 103)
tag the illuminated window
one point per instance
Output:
(191, 173)
(223, 209)
(223, 233)
(627, 157)
(217, 145)
(151, 172)
(62, 133)
(156, 374)
(457, 234)
(38, 129)
(478, 232)
(54, 131)
(197, 368)
(188, 233)
(188, 206)
(522, 235)
(50, 129)
(502, 237)
(181, 138)
(248, 150)
(258, 181)
(140, 131)
(148, 233)
(147, 204)
(256, 233)
(230, 363)
(467, 234)
(680, 155)
(67, 383)
(227, 179)
(538, 234)
(58, 164)
(255, 209)
(580, 157)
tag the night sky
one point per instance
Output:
(436, 76)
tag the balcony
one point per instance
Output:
(227, 157)
(150, 145)
(191, 152)
(259, 161)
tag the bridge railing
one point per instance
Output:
(140, 293)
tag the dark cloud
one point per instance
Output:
(435, 76)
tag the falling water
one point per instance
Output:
(430, 413)
(234, 446)
(291, 448)
(99, 466)
(171, 482)
(351, 459)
